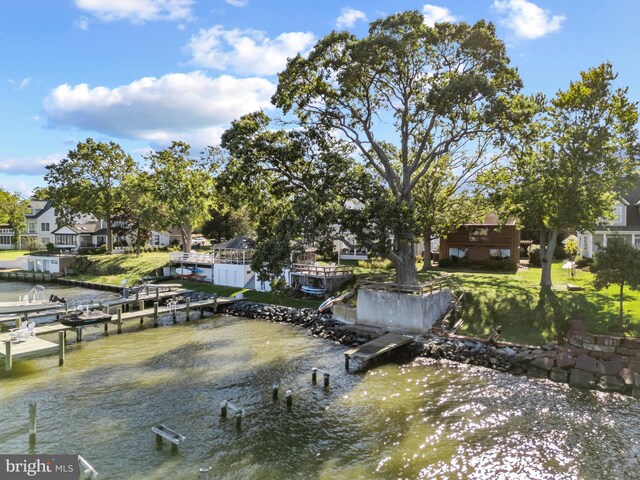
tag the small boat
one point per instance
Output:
(80, 319)
(309, 290)
(33, 301)
(328, 303)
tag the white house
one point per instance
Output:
(625, 224)
(41, 222)
(6, 237)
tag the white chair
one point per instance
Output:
(17, 333)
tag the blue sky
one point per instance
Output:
(145, 72)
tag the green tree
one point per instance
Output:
(88, 181)
(435, 91)
(141, 213)
(617, 264)
(184, 186)
(13, 209)
(291, 182)
(567, 173)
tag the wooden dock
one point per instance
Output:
(362, 355)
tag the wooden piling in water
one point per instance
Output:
(275, 392)
(61, 348)
(119, 320)
(187, 309)
(78, 334)
(155, 314)
(204, 473)
(223, 409)
(289, 396)
(32, 424)
(314, 376)
(8, 359)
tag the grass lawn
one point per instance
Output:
(8, 255)
(527, 313)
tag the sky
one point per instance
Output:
(143, 73)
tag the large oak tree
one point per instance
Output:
(405, 96)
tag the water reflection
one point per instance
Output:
(424, 420)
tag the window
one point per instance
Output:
(44, 227)
(6, 240)
(46, 240)
(456, 254)
(500, 253)
(618, 215)
(478, 234)
(31, 227)
(65, 239)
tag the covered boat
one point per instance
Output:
(80, 319)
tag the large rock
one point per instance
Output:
(543, 363)
(565, 360)
(586, 364)
(559, 375)
(611, 383)
(610, 367)
(629, 377)
(582, 379)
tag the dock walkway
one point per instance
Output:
(359, 357)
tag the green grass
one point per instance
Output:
(530, 314)
(527, 313)
(8, 255)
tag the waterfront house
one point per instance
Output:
(476, 242)
(6, 237)
(625, 224)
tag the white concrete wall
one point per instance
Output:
(231, 275)
(401, 311)
(17, 263)
(344, 312)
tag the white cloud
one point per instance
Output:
(177, 106)
(526, 19)
(237, 3)
(349, 16)
(24, 83)
(15, 185)
(137, 11)
(434, 14)
(82, 23)
(246, 51)
(28, 166)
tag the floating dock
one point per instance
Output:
(358, 358)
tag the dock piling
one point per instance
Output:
(119, 320)
(78, 334)
(204, 473)
(188, 302)
(223, 409)
(155, 314)
(32, 424)
(275, 392)
(61, 348)
(289, 396)
(314, 376)
(8, 359)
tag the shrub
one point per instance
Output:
(582, 262)
(499, 265)
(445, 263)
(534, 255)
(379, 263)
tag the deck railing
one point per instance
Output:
(322, 270)
(431, 286)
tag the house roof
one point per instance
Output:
(491, 219)
(238, 243)
(88, 228)
(38, 207)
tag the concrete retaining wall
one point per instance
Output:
(402, 311)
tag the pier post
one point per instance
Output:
(141, 305)
(223, 409)
(78, 334)
(314, 376)
(8, 359)
(157, 294)
(188, 307)
(239, 419)
(326, 379)
(119, 319)
(289, 396)
(155, 314)
(61, 348)
(32, 424)
(204, 474)
(275, 392)
(215, 303)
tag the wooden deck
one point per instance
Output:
(357, 358)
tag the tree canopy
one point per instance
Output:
(13, 209)
(579, 155)
(404, 97)
(87, 181)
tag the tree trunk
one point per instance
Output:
(548, 240)
(185, 230)
(426, 266)
(109, 235)
(404, 262)
(621, 301)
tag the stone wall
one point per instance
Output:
(601, 346)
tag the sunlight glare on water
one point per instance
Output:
(423, 420)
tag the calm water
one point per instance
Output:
(424, 420)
